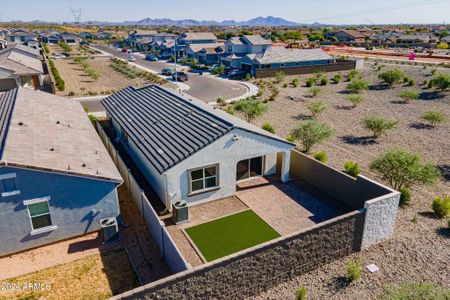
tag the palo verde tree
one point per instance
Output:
(310, 133)
(391, 77)
(402, 169)
(250, 108)
(378, 125)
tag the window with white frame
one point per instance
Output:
(203, 179)
(39, 212)
(9, 184)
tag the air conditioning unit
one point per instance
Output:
(180, 211)
(110, 229)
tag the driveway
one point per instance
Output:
(205, 88)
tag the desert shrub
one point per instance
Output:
(65, 46)
(290, 138)
(355, 99)
(441, 82)
(391, 77)
(230, 110)
(250, 108)
(353, 74)
(314, 91)
(434, 117)
(93, 73)
(59, 82)
(321, 156)
(71, 93)
(441, 206)
(268, 127)
(353, 271)
(414, 291)
(337, 78)
(352, 168)
(300, 294)
(408, 95)
(442, 45)
(318, 75)
(316, 107)
(221, 102)
(46, 50)
(280, 76)
(295, 82)
(285, 85)
(357, 85)
(405, 79)
(433, 71)
(310, 82)
(247, 77)
(411, 82)
(311, 133)
(323, 81)
(400, 168)
(378, 125)
(405, 196)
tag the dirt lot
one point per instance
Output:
(78, 83)
(418, 251)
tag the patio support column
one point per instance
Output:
(285, 163)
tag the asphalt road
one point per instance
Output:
(201, 87)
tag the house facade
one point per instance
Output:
(61, 183)
(236, 48)
(189, 151)
(189, 38)
(206, 54)
(350, 36)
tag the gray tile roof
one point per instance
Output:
(256, 40)
(168, 128)
(192, 36)
(165, 127)
(283, 55)
(7, 100)
(49, 132)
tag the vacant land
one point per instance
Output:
(230, 234)
(95, 277)
(418, 250)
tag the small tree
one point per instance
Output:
(324, 81)
(408, 95)
(441, 82)
(221, 101)
(352, 168)
(310, 82)
(280, 76)
(357, 85)
(311, 133)
(434, 117)
(314, 91)
(403, 169)
(441, 206)
(442, 45)
(316, 107)
(378, 125)
(353, 74)
(355, 99)
(392, 77)
(268, 127)
(250, 108)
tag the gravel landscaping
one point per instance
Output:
(419, 249)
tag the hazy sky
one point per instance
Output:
(324, 11)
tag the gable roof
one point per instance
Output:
(19, 62)
(192, 36)
(256, 40)
(353, 33)
(209, 48)
(48, 132)
(167, 128)
(283, 55)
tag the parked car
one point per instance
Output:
(180, 76)
(126, 50)
(236, 73)
(66, 54)
(168, 71)
(151, 57)
(56, 56)
(131, 58)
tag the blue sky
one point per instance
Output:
(324, 11)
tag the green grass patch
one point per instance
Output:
(230, 234)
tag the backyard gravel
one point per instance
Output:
(418, 251)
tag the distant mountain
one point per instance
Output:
(259, 21)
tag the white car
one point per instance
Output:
(56, 56)
(131, 58)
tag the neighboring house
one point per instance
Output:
(49, 38)
(189, 151)
(70, 38)
(3, 44)
(21, 63)
(34, 43)
(238, 47)
(384, 38)
(205, 53)
(414, 39)
(20, 36)
(57, 179)
(103, 35)
(86, 35)
(163, 37)
(138, 36)
(350, 36)
(189, 38)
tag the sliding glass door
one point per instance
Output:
(249, 168)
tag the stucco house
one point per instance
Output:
(20, 36)
(57, 180)
(205, 53)
(3, 44)
(189, 38)
(69, 38)
(189, 151)
(238, 47)
(350, 36)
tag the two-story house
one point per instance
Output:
(238, 47)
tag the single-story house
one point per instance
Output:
(350, 36)
(85, 35)
(281, 58)
(50, 38)
(413, 39)
(69, 38)
(189, 151)
(57, 179)
(20, 36)
(3, 44)
(103, 35)
(206, 54)
(20, 62)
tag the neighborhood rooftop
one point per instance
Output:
(44, 131)
(168, 128)
(199, 36)
(283, 55)
(257, 40)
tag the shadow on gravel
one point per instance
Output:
(339, 283)
(443, 231)
(428, 214)
(418, 125)
(358, 140)
(343, 107)
(445, 171)
(378, 87)
(431, 95)
(301, 117)
(398, 102)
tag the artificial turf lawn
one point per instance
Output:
(230, 234)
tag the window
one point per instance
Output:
(203, 179)
(39, 212)
(8, 182)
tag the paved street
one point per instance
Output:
(202, 87)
